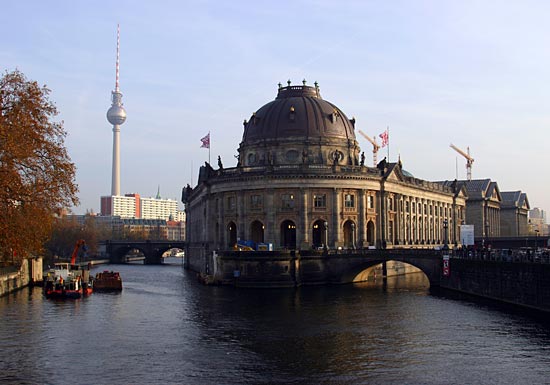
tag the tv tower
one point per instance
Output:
(116, 115)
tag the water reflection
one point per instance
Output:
(167, 328)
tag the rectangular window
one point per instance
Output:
(370, 202)
(320, 201)
(256, 202)
(349, 202)
(287, 201)
(231, 203)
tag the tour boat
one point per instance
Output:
(107, 281)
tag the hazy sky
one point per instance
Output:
(472, 73)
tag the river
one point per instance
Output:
(166, 328)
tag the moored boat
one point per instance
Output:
(64, 282)
(68, 280)
(107, 281)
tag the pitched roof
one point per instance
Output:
(514, 199)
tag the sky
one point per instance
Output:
(472, 73)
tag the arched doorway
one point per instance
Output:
(319, 234)
(349, 234)
(257, 232)
(231, 234)
(288, 235)
(370, 233)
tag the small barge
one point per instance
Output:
(107, 281)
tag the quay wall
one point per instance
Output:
(16, 278)
(524, 284)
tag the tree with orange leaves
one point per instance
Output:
(37, 177)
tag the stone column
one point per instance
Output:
(362, 238)
(335, 231)
(381, 206)
(303, 233)
(222, 241)
(270, 208)
(241, 233)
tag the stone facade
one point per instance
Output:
(28, 273)
(514, 214)
(301, 183)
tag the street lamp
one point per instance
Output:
(445, 227)
(353, 235)
(326, 234)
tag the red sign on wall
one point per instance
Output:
(446, 266)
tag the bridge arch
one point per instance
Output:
(153, 251)
(349, 268)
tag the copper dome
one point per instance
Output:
(298, 112)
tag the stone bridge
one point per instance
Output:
(153, 250)
(284, 269)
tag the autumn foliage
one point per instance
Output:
(37, 177)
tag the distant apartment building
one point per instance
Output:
(136, 207)
(124, 206)
(156, 208)
(537, 222)
(132, 216)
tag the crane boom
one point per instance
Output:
(375, 146)
(469, 159)
(77, 245)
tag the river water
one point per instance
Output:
(166, 328)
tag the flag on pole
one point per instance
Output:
(206, 141)
(385, 136)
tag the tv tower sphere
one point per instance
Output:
(116, 115)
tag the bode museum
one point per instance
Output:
(301, 187)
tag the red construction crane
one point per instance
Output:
(77, 245)
(375, 146)
(469, 160)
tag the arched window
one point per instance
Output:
(349, 234)
(320, 233)
(231, 234)
(257, 232)
(288, 235)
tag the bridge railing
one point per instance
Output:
(505, 255)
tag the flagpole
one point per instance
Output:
(388, 131)
(209, 145)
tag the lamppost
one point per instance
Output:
(353, 235)
(445, 227)
(326, 235)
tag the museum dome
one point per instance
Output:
(298, 113)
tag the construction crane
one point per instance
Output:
(375, 146)
(469, 160)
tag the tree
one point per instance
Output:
(37, 177)
(66, 231)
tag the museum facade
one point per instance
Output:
(301, 183)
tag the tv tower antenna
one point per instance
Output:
(116, 115)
